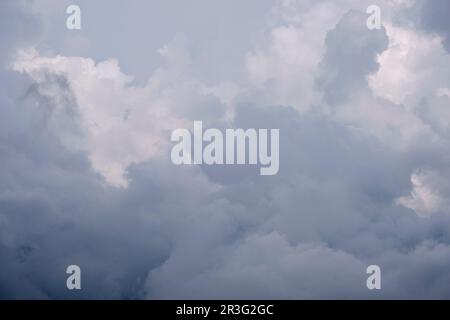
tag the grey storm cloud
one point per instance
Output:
(351, 56)
(434, 18)
(362, 180)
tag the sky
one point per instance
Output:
(85, 171)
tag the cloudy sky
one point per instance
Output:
(86, 177)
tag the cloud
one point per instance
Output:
(16, 34)
(434, 19)
(264, 266)
(428, 196)
(86, 177)
(351, 55)
(138, 119)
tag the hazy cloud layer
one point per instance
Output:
(86, 177)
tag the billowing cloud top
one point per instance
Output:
(86, 177)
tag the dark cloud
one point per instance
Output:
(351, 56)
(434, 18)
(221, 232)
